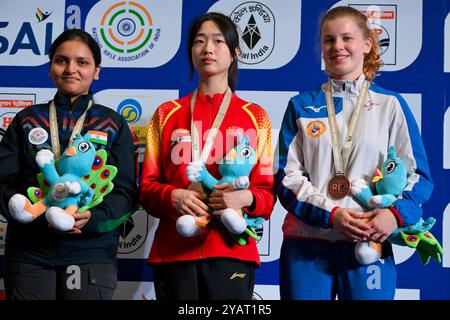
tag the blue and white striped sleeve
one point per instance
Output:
(295, 192)
(405, 135)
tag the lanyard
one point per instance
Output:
(212, 132)
(341, 159)
(56, 148)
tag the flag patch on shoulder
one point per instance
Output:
(98, 137)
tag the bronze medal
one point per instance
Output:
(338, 187)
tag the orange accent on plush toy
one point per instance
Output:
(203, 220)
(35, 210)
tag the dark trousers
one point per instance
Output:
(208, 279)
(25, 281)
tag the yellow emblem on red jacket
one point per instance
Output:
(315, 128)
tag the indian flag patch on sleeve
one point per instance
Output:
(98, 137)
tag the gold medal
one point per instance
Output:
(338, 187)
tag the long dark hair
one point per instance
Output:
(81, 35)
(229, 31)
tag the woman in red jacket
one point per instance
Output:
(210, 265)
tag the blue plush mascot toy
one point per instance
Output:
(390, 181)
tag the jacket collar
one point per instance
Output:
(215, 99)
(78, 106)
(352, 87)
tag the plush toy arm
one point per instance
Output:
(45, 161)
(86, 198)
(193, 171)
(44, 157)
(382, 201)
(73, 187)
(240, 183)
(253, 222)
(421, 226)
(361, 190)
(196, 172)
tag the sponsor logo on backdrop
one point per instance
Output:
(27, 29)
(257, 24)
(10, 104)
(41, 16)
(136, 106)
(399, 27)
(127, 28)
(133, 232)
(133, 33)
(383, 21)
(131, 110)
(263, 26)
(5, 121)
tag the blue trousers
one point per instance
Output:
(312, 270)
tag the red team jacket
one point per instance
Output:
(168, 152)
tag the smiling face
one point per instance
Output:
(210, 53)
(343, 48)
(73, 68)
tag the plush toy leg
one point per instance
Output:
(233, 221)
(367, 252)
(21, 209)
(61, 219)
(189, 226)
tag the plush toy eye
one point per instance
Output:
(245, 153)
(390, 166)
(84, 147)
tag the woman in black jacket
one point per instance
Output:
(40, 262)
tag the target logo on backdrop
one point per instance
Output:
(139, 33)
(126, 28)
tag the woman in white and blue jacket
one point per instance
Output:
(319, 232)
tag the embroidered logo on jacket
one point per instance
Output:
(37, 136)
(315, 128)
(238, 275)
(315, 109)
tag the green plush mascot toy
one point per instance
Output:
(235, 168)
(389, 184)
(75, 183)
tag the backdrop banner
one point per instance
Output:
(145, 62)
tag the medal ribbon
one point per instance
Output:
(341, 157)
(56, 147)
(214, 129)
